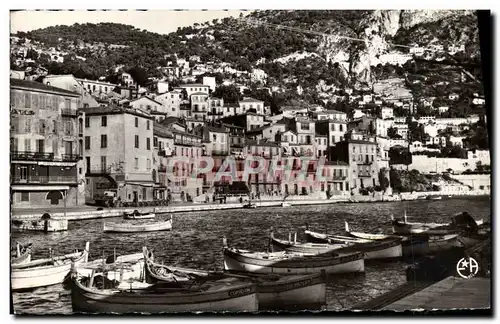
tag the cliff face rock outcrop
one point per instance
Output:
(380, 28)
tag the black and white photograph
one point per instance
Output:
(242, 162)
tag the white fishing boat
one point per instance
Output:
(278, 245)
(124, 266)
(286, 204)
(137, 215)
(137, 228)
(386, 248)
(291, 262)
(138, 297)
(441, 243)
(411, 245)
(273, 292)
(45, 272)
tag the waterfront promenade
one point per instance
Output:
(90, 212)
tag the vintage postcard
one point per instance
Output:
(170, 161)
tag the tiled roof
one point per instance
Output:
(354, 141)
(108, 110)
(38, 86)
(250, 100)
(192, 85)
(146, 98)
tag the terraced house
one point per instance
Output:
(45, 146)
(119, 153)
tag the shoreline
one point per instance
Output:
(92, 212)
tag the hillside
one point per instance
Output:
(332, 61)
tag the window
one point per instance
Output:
(27, 144)
(136, 163)
(67, 103)
(79, 170)
(40, 146)
(148, 143)
(104, 141)
(54, 126)
(147, 125)
(104, 121)
(136, 141)
(136, 122)
(148, 164)
(41, 124)
(214, 137)
(55, 146)
(87, 122)
(103, 164)
(87, 142)
(155, 141)
(27, 125)
(25, 196)
(27, 100)
(341, 128)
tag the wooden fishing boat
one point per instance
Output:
(278, 245)
(405, 228)
(45, 272)
(386, 248)
(124, 266)
(441, 243)
(411, 245)
(23, 254)
(136, 228)
(137, 215)
(137, 297)
(291, 262)
(250, 205)
(470, 239)
(286, 204)
(273, 292)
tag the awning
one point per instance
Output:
(57, 163)
(38, 188)
(140, 184)
(23, 162)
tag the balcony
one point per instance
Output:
(100, 169)
(220, 152)
(339, 178)
(45, 179)
(31, 156)
(364, 174)
(71, 157)
(66, 112)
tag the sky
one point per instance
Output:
(158, 21)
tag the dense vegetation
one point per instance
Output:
(246, 45)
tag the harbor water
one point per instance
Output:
(196, 241)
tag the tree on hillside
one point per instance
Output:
(383, 180)
(229, 93)
(392, 133)
(140, 75)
